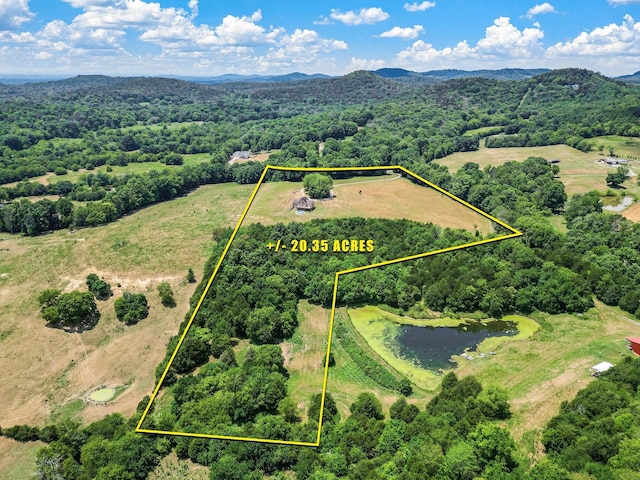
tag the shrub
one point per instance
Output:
(131, 307)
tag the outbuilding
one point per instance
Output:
(634, 344)
(596, 370)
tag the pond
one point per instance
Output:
(432, 347)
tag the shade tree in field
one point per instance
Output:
(617, 178)
(71, 311)
(318, 185)
(131, 307)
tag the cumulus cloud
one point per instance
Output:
(364, 64)
(502, 41)
(540, 9)
(613, 39)
(14, 13)
(406, 32)
(504, 38)
(367, 16)
(418, 7)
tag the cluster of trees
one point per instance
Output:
(131, 307)
(317, 185)
(454, 437)
(97, 286)
(597, 432)
(72, 311)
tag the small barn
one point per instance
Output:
(596, 370)
(634, 344)
(303, 203)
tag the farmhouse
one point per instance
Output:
(634, 344)
(240, 155)
(303, 203)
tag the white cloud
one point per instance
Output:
(364, 64)
(126, 13)
(193, 6)
(505, 39)
(89, 3)
(367, 16)
(622, 2)
(406, 32)
(620, 40)
(502, 42)
(418, 7)
(14, 13)
(545, 7)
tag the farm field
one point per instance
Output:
(156, 244)
(578, 170)
(552, 365)
(387, 196)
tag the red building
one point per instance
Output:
(634, 344)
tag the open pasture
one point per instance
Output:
(46, 368)
(386, 196)
(580, 172)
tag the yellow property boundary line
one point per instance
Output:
(514, 233)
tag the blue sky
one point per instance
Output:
(212, 37)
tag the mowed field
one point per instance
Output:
(387, 196)
(580, 172)
(47, 371)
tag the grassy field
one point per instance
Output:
(387, 196)
(580, 172)
(137, 168)
(305, 354)
(47, 369)
(17, 460)
(552, 365)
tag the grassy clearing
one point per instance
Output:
(305, 354)
(386, 196)
(579, 171)
(552, 365)
(622, 146)
(116, 170)
(156, 244)
(17, 460)
(173, 468)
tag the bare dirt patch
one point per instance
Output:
(632, 213)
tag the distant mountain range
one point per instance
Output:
(396, 74)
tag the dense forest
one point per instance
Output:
(229, 377)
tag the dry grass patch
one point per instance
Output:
(387, 196)
(47, 368)
(17, 460)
